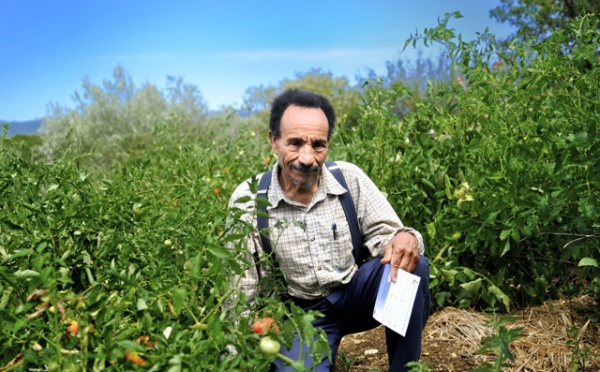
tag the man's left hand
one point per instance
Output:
(402, 252)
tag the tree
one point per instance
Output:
(537, 19)
(415, 77)
(344, 97)
(114, 117)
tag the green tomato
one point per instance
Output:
(269, 346)
(53, 366)
(138, 210)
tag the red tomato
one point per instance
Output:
(264, 325)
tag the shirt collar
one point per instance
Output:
(327, 185)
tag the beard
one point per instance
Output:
(311, 175)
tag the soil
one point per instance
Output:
(452, 337)
(366, 352)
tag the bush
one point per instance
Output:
(137, 260)
(500, 166)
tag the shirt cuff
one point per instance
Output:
(411, 231)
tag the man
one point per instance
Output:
(312, 242)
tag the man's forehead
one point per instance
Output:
(304, 132)
(302, 122)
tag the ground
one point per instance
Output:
(366, 352)
(452, 337)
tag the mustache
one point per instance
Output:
(306, 168)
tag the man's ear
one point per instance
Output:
(273, 142)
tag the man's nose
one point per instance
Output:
(306, 155)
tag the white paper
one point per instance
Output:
(394, 302)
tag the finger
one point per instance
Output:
(396, 264)
(406, 264)
(393, 272)
(405, 259)
(387, 254)
(409, 262)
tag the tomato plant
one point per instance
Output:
(498, 169)
(494, 165)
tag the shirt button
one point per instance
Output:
(319, 267)
(313, 238)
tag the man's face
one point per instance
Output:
(302, 147)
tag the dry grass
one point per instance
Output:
(545, 346)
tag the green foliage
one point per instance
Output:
(137, 259)
(124, 229)
(112, 118)
(343, 97)
(26, 146)
(498, 166)
(345, 361)
(499, 344)
(580, 356)
(418, 367)
(415, 77)
(537, 19)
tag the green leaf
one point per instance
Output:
(505, 234)
(26, 273)
(5, 297)
(588, 261)
(243, 199)
(506, 248)
(52, 188)
(220, 253)
(40, 248)
(21, 253)
(141, 304)
(131, 345)
(263, 201)
(473, 287)
(469, 273)
(497, 292)
(449, 275)
(179, 296)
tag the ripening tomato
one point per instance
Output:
(73, 328)
(264, 325)
(269, 346)
(134, 357)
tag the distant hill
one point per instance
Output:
(21, 127)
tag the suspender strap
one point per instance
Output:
(263, 216)
(345, 199)
(349, 211)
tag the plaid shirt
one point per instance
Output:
(313, 259)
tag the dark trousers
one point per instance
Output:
(350, 310)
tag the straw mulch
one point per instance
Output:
(546, 346)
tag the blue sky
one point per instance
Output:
(223, 47)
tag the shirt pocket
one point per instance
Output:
(340, 247)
